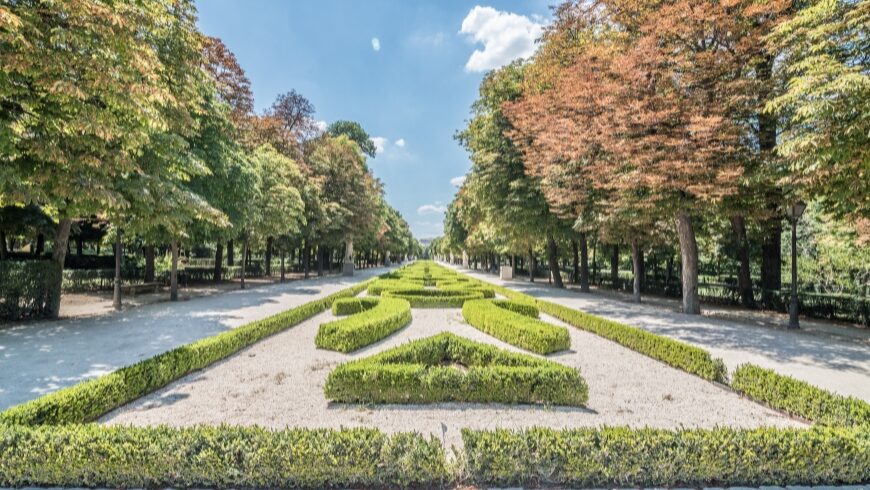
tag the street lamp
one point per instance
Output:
(794, 214)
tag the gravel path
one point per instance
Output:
(279, 382)
(37, 358)
(836, 364)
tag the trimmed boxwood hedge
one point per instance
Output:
(375, 322)
(88, 400)
(800, 398)
(28, 289)
(498, 318)
(433, 298)
(628, 457)
(351, 306)
(217, 457)
(464, 286)
(376, 288)
(423, 371)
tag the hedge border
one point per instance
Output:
(433, 298)
(499, 319)
(412, 374)
(369, 325)
(88, 400)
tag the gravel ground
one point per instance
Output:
(279, 382)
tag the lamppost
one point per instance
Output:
(794, 215)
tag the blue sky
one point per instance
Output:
(407, 71)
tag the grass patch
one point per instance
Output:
(425, 371)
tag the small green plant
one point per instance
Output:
(449, 368)
(503, 320)
(371, 319)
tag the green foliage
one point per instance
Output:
(216, 457)
(350, 306)
(800, 398)
(356, 133)
(380, 285)
(374, 319)
(449, 368)
(433, 298)
(463, 286)
(501, 320)
(88, 400)
(627, 457)
(27, 289)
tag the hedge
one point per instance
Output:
(28, 289)
(433, 298)
(222, 457)
(350, 306)
(447, 368)
(87, 401)
(629, 457)
(464, 286)
(498, 318)
(370, 325)
(376, 288)
(800, 398)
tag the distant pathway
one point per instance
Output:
(836, 364)
(38, 358)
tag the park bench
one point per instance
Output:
(135, 289)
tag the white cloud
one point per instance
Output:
(505, 37)
(400, 142)
(376, 44)
(380, 143)
(321, 125)
(436, 208)
(457, 181)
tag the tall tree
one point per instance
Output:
(356, 133)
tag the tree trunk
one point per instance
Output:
(268, 257)
(244, 259)
(771, 261)
(771, 248)
(40, 244)
(282, 265)
(744, 279)
(173, 274)
(584, 264)
(61, 240)
(2, 245)
(306, 251)
(80, 246)
(689, 260)
(637, 266)
(553, 260)
(116, 293)
(531, 265)
(614, 267)
(218, 261)
(319, 260)
(148, 252)
(575, 264)
(230, 255)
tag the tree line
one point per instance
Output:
(654, 122)
(126, 112)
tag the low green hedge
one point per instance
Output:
(88, 400)
(216, 457)
(464, 286)
(447, 368)
(799, 398)
(498, 319)
(361, 329)
(527, 309)
(628, 457)
(351, 306)
(433, 298)
(376, 288)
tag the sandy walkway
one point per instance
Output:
(279, 382)
(40, 357)
(836, 364)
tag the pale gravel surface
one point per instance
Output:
(837, 364)
(41, 357)
(278, 383)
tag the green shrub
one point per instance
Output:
(376, 288)
(526, 309)
(370, 325)
(465, 286)
(433, 298)
(628, 457)
(88, 400)
(216, 457)
(449, 368)
(28, 289)
(497, 318)
(350, 306)
(799, 398)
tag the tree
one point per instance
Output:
(826, 105)
(356, 133)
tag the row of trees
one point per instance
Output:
(124, 111)
(638, 119)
